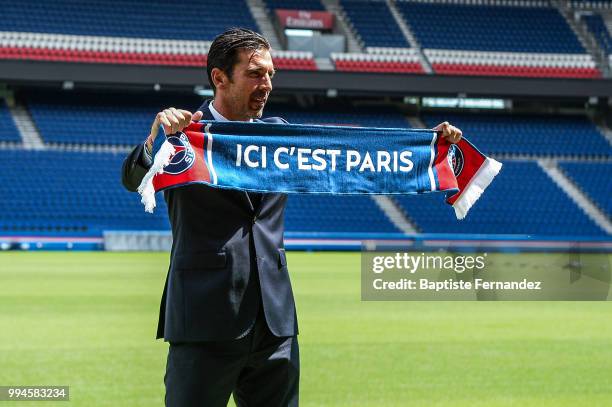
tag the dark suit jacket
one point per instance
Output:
(227, 260)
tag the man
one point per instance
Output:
(227, 308)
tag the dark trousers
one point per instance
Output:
(260, 369)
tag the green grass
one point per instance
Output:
(88, 320)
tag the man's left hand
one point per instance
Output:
(449, 132)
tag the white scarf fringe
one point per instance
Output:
(479, 182)
(146, 189)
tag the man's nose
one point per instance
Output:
(266, 83)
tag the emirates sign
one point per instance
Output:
(313, 20)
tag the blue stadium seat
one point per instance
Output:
(594, 179)
(490, 28)
(179, 19)
(522, 200)
(374, 23)
(8, 130)
(528, 134)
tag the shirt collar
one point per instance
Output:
(218, 116)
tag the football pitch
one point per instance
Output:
(88, 320)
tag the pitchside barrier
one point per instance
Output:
(162, 241)
(155, 241)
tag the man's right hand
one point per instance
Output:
(172, 120)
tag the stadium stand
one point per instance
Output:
(69, 193)
(124, 18)
(472, 39)
(123, 121)
(50, 173)
(600, 32)
(122, 50)
(8, 130)
(528, 134)
(485, 37)
(374, 23)
(532, 41)
(522, 200)
(124, 118)
(490, 28)
(344, 214)
(595, 179)
(82, 118)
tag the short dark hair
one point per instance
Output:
(223, 52)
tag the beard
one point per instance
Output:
(246, 107)
(257, 102)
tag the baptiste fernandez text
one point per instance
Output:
(425, 284)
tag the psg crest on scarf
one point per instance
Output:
(455, 159)
(184, 156)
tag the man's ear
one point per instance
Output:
(219, 78)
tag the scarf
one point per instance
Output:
(309, 159)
